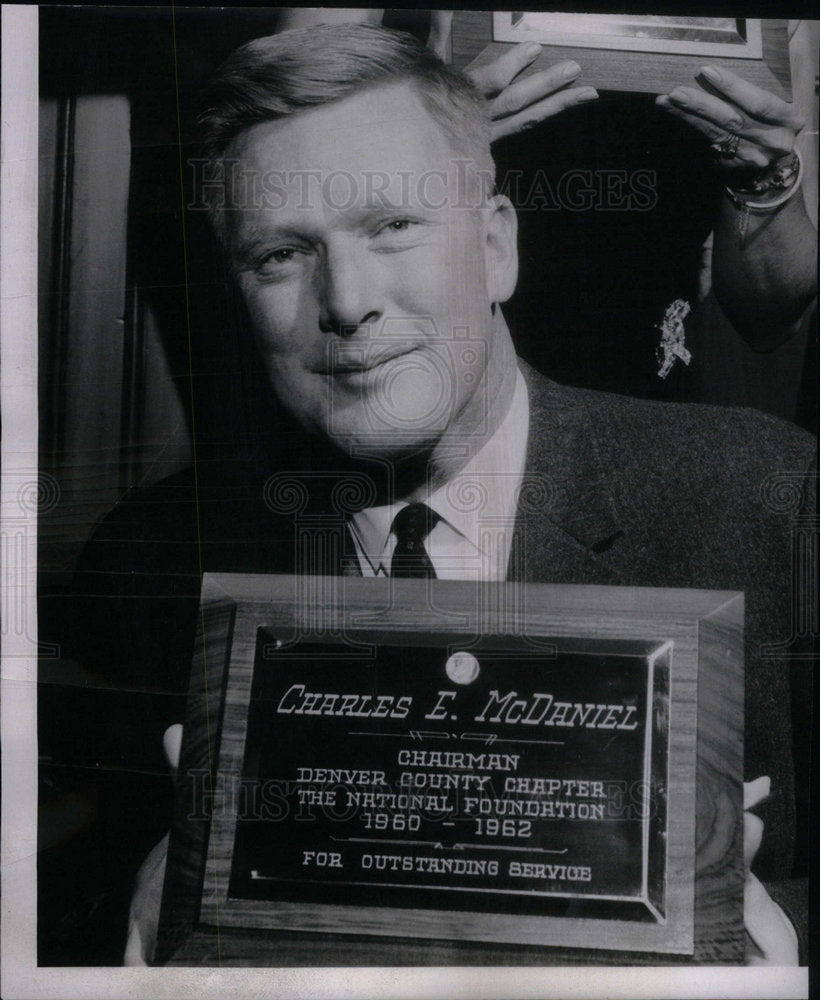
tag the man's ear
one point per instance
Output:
(501, 248)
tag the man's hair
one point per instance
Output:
(278, 76)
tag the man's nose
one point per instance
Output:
(351, 293)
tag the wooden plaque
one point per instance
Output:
(393, 772)
(622, 69)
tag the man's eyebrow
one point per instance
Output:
(250, 242)
(381, 202)
(371, 214)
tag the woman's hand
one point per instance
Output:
(723, 106)
(516, 105)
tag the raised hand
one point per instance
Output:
(725, 106)
(515, 105)
(518, 105)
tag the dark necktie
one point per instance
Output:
(411, 526)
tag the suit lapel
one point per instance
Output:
(567, 523)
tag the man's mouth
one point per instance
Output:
(346, 361)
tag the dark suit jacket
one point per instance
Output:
(616, 491)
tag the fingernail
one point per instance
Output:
(586, 94)
(571, 69)
(711, 74)
(532, 50)
(679, 98)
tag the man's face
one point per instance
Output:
(369, 270)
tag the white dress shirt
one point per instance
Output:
(476, 508)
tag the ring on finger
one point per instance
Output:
(726, 148)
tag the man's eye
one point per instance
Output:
(278, 262)
(280, 256)
(397, 226)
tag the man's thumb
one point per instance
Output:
(171, 742)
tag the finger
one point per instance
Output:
(143, 912)
(536, 113)
(171, 743)
(495, 76)
(748, 153)
(136, 950)
(698, 102)
(770, 143)
(768, 927)
(754, 101)
(441, 26)
(778, 139)
(752, 836)
(754, 792)
(533, 88)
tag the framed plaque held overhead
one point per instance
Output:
(391, 772)
(648, 53)
(734, 37)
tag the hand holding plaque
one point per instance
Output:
(519, 104)
(516, 103)
(770, 937)
(726, 105)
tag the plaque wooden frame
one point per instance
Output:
(201, 925)
(625, 70)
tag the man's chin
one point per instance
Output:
(364, 443)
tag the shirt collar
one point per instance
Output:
(490, 481)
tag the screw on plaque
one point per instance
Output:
(462, 667)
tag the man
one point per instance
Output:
(356, 211)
